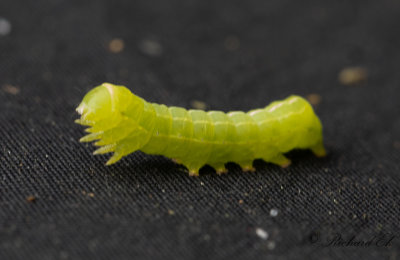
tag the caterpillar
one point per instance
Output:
(122, 123)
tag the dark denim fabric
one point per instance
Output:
(57, 201)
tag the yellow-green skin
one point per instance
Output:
(124, 123)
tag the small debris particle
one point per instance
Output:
(314, 99)
(271, 245)
(379, 226)
(116, 45)
(240, 201)
(5, 26)
(261, 233)
(273, 212)
(353, 75)
(151, 47)
(198, 104)
(232, 43)
(335, 201)
(31, 199)
(171, 212)
(91, 194)
(396, 144)
(330, 212)
(10, 89)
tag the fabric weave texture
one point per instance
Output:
(58, 201)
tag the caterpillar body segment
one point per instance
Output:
(121, 122)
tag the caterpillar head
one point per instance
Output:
(103, 102)
(105, 110)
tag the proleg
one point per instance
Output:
(122, 123)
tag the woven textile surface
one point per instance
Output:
(58, 201)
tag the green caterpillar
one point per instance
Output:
(122, 123)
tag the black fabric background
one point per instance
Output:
(147, 206)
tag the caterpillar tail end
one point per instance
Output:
(319, 150)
